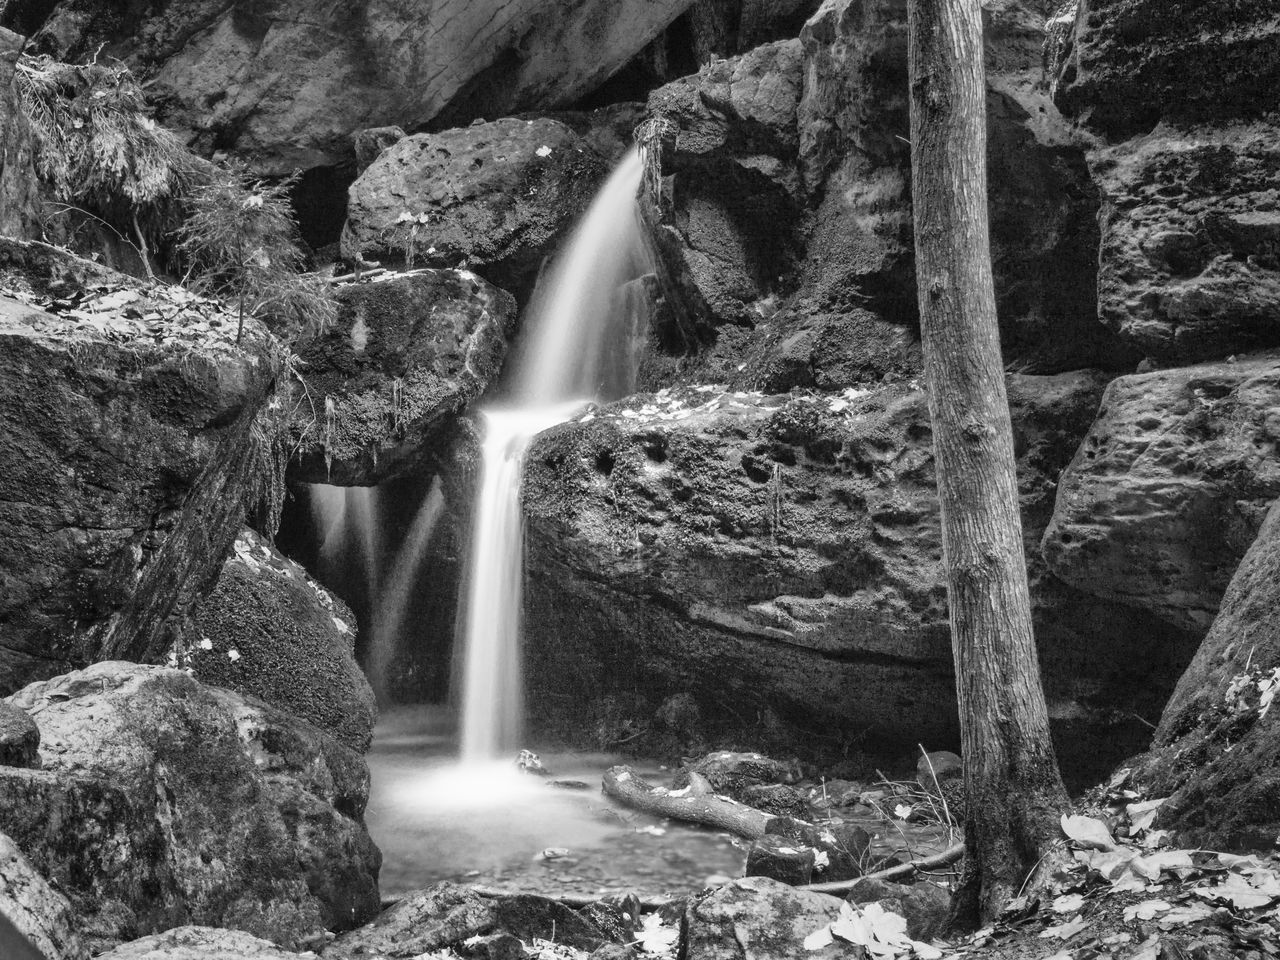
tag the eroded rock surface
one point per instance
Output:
(129, 460)
(1131, 63)
(1190, 257)
(492, 197)
(285, 86)
(163, 802)
(779, 559)
(381, 388)
(1170, 487)
(269, 631)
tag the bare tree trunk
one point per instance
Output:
(1012, 787)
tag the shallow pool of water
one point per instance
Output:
(490, 824)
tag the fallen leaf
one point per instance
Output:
(1088, 832)
(654, 936)
(1146, 910)
(1068, 903)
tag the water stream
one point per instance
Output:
(580, 343)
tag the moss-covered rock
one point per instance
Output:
(268, 630)
(163, 802)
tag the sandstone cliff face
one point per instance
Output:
(285, 84)
(1129, 64)
(821, 256)
(1188, 262)
(129, 460)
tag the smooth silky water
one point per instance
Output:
(448, 801)
(489, 824)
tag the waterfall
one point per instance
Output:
(580, 343)
(392, 600)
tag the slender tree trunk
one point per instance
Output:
(1012, 787)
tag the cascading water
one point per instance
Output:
(394, 594)
(580, 344)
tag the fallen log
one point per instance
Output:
(696, 803)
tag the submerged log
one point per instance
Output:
(696, 803)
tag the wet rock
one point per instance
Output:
(845, 846)
(1190, 257)
(618, 917)
(202, 943)
(422, 922)
(1170, 487)
(38, 913)
(106, 557)
(269, 631)
(731, 774)
(532, 918)
(1215, 755)
(163, 802)
(777, 799)
(381, 390)
(1129, 64)
(287, 87)
(779, 858)
(757, 919)
(492, 197)
(924, 905)
(19, 737)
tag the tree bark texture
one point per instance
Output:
(1012, 786)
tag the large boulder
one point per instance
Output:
(284, 86)
(492, 197)
(1217, 752)
(1190, 258)
(757, 918)
(269, 631)
(781, 557)
(1170, 487)
(1131, 63)
(131, 448)
(37, 913)
(379, 390)
(163, 802)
